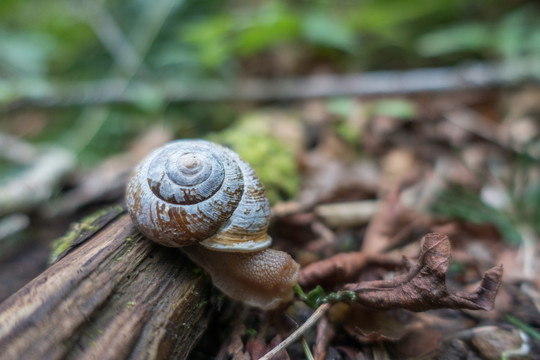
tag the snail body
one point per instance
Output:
(203, 198)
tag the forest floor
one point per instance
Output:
(409, 202)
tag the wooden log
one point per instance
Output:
(114, 295)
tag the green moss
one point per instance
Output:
(62, 243)
(396, 108)
(87, 224)
(251, 332)
(272, 161)
(130, 304)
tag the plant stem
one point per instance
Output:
(298, 332)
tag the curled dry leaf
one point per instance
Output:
(391, 220)
(341, 267)
(325, 334)
(424, 286)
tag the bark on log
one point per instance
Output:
(115, 295)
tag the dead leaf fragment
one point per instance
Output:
(325, 334)
(368, 325)
(424, 286)
(340, 268)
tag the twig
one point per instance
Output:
(377, 83)
(321, 310)
(347, 214)
(37, 182)
(17, 150)
(93, 118)
(12, 224)
(112, 37)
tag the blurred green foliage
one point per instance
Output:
(198, 38)
(64, 42)
(516, 211)
(514, 35)
(466, 205)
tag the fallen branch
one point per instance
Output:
(377, 83)
(45, 170)
(114, 295)
(347, 214)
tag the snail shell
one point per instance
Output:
(195, 191)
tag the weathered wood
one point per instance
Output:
(114, 296)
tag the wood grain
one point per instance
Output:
(115, 296)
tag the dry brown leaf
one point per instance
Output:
(419, 341)
(390, 219)
(350, 353)
(256, 347)
(325, 334)
(282, 355)
(233, 347)
(424, 286)
(369, 325)
(340, 268)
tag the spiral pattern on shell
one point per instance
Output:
(195, 191)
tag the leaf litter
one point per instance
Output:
(402, 227)
(388, 284)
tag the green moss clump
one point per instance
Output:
(130, 304)
(62, 243)
(273, 163)
(85, 225)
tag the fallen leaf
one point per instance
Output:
(368, 325)
(325, 334)
(340, 268)
(424, 286)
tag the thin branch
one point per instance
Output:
(93, 118)
(112, 37)
(377, 83)
(313, 319)
(37, 182)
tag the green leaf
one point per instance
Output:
(322, 29)
(271, 25)
(212, 38)
(464, 204)
(397, 108)
(523, 326)
(26, 53)
(316, 297)
(342, 106)
(464, 37)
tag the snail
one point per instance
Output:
(203, 198)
